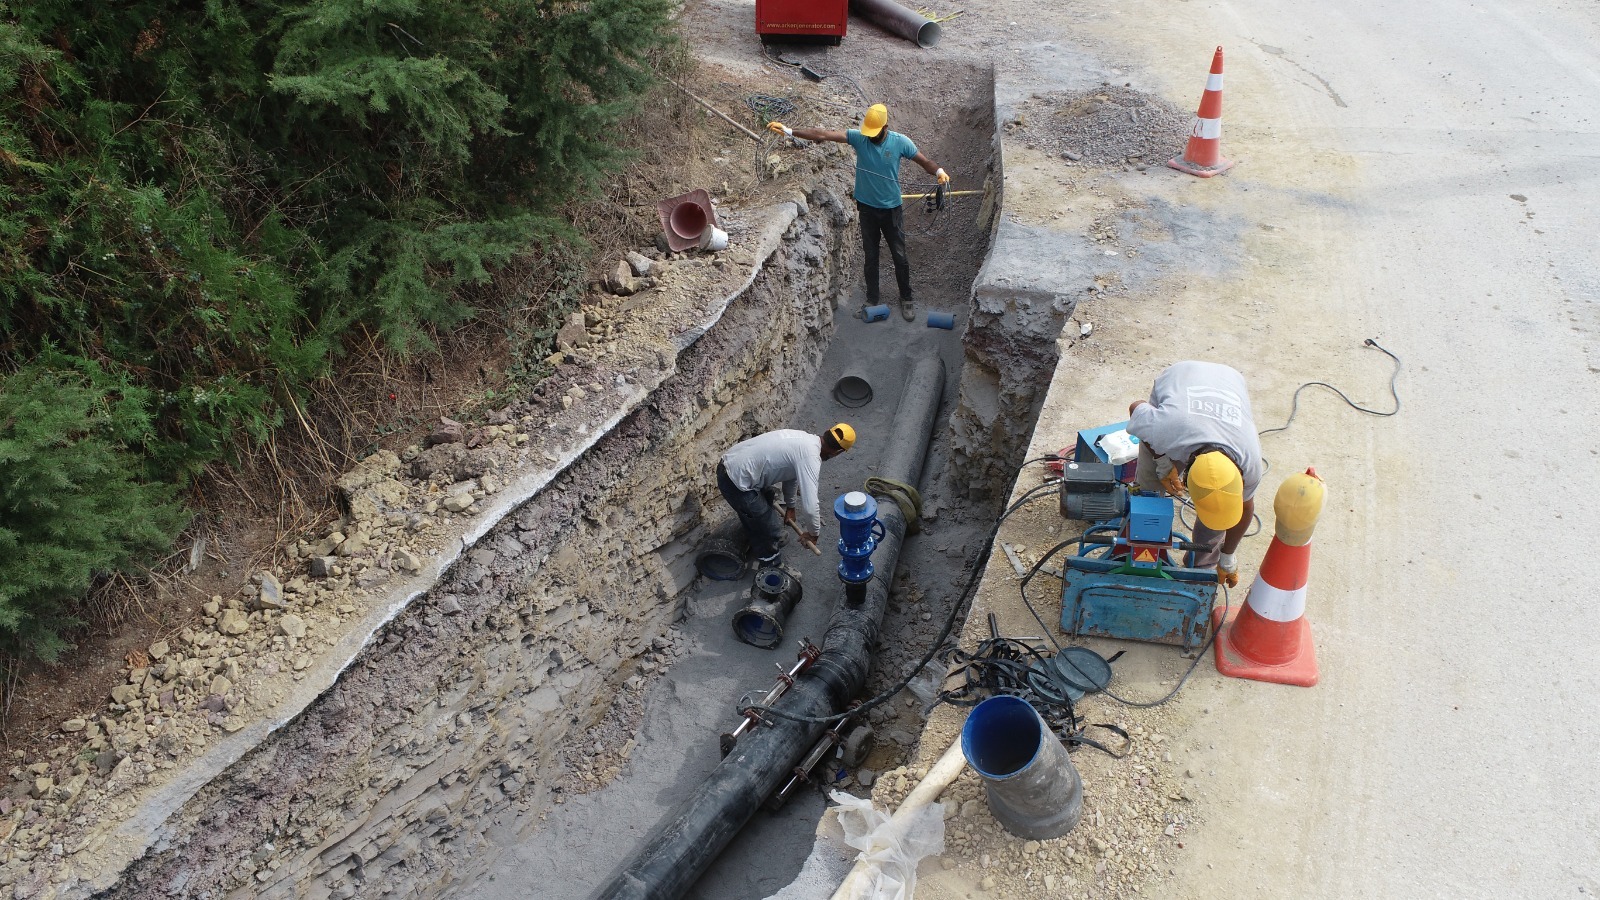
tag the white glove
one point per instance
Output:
(943, 178)
(1228, 570)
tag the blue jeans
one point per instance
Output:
(762, 524)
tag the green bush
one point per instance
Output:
(199, 202)
(202, 203)
(71, 506)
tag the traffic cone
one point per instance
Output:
(687, 219)
(1203, 156)
(1270, 639)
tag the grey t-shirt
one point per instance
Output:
(1193, 404)
(787, 457)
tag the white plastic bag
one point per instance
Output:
(928, 682)
(893, 850)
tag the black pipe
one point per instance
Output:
(896, 19)
(681, 849)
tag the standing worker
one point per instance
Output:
(787, 457)
(878, 155)
(1196, 434)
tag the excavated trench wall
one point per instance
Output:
(387, 784)
(1022, 297)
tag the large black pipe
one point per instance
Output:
(896, 19)
(681, 849)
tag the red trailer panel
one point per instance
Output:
(802, 20)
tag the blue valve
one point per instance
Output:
(859, 533)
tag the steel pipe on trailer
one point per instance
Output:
(765, 758)
(896, 19)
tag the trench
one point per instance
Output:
(522, 728)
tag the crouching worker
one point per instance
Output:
(784, 457)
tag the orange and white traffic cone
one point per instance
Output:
(1270, 639)
(1203, 156)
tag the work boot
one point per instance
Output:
(908, 309)
(769, 562)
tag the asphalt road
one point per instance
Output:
(1423, 172)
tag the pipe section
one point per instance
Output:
(772, 597)
(1032, 786)
(896, 19)
(762, 760)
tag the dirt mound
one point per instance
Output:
(1104, 125)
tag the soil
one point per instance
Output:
(1110, 124)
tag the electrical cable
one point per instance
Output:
(1394, 392)
(1003, 666)
(768, 107)
(1022, 589)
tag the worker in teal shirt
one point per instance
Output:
(878, 155)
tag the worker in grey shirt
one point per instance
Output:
(792, 459)
(1197, 436)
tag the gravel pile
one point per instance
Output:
(1105, 125)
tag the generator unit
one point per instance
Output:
(802, 21)
(1131, 577)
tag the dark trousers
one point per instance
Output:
(888, 224)
(761, 521)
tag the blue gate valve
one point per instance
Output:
(859, 533)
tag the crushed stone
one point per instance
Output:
(1106, 125)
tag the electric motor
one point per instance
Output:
(1090, 492)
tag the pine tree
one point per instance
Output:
(71, 507)
(200, 203)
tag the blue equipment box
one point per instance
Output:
(1088, 449)
(1149, 519)
(1162, 611)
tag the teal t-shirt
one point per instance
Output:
(878, 167)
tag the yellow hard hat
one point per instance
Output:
(843, 435)
(877, 117)
(1217, 489)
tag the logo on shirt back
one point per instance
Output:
(1216, 403)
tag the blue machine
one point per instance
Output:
(1088, 449)
(1128, 580)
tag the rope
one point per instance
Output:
(904, 495)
